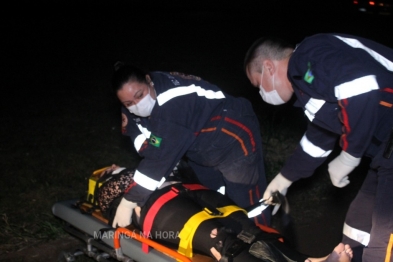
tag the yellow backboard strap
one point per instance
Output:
(187, 233)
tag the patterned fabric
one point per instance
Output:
(113, 188)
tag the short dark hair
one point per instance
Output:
(267, 48)
(125, 73)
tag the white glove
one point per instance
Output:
(280, 184)
(340, 167)
(123, 213)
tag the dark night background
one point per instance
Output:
(62, 47)
(57, 59)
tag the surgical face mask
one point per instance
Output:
(144, 107)
(271, 97)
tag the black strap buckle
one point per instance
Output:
(246, 237)
(236, 248)
(213, 211)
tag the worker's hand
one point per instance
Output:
(340, 167)
(123, 213)
(280, 184)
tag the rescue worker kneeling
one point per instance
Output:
(192, 218)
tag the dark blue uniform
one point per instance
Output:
(345, 86)
(217, 133)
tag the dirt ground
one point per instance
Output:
(48, 251)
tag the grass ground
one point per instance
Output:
(47, 156)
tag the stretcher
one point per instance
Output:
(84, 220)
(104, 243)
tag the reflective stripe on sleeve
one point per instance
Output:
(144, 131)
(312, 149)
(138, 142)
(312, 107)
(185, 90)
(357, 44)
(145, 181)
(356, 234)
(356, 87)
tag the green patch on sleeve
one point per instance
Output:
(155, 140)
(308, 76)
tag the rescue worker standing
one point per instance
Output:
(344, 84)
(172, 115)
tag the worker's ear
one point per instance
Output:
(269, 66)
(148, 79)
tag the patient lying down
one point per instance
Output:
(226, 236)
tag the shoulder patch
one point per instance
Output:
(308, 76)
(155, 140)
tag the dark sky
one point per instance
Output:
(68, 45)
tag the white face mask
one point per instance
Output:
(271, 97)
(144, 107)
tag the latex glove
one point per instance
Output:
(340, 167)
(280, 184)
(123, 213)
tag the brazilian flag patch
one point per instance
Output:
(155, 140)
(309, 77)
